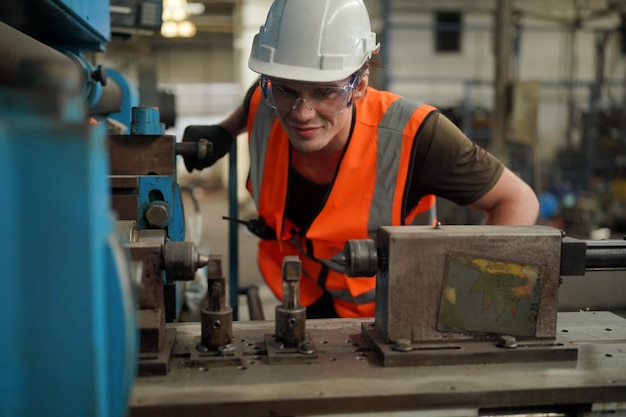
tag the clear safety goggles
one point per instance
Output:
(323, 98)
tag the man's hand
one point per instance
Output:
(219, 143)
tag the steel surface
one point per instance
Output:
(348, 376)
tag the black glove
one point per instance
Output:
(219, 143)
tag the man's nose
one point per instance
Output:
(299, 100)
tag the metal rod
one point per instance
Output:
(233, 231)
(605, 255)
(255, 306)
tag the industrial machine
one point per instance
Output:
(466, 324)
(146, 199)
(466, 321)
(85, 305)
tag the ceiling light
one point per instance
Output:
(169, 29)
(186, 29)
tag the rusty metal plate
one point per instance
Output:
(142, 155)
(213, 358)
(486, 295)
(349, 378)
(470, 352)
(409, 294)
(157, 363)
(278, 354)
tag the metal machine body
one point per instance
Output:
(156, 260)
(448, 292)
(144, 186)
(466, 325)
(467, 282)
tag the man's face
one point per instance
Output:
(316, 116)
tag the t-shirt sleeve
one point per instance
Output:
(450, 165)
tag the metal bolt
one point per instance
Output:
(217, 324)
(305, 347)
(158, 214)
(507, 341)
(201, 348)
(226, 350)
(403, 345)
(292, 321)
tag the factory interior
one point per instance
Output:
(135, 290)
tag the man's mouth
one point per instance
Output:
(305, 131)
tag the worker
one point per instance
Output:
(333, 159)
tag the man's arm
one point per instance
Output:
(235, 123)
(510, 201)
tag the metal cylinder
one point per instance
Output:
(216, 328)
(290, 326)
(216, 318)
(23, 48)
(605, 255)
(182, 261)
(361, 258)
(146, 121)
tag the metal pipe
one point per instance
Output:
(233, 230)
(255, 306)
(104, 97)
(605, 255)
(503, 52)
(20, 49)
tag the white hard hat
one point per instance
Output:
(313, 40)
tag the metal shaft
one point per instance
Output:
(216, 319)
(290, 315)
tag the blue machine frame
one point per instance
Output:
(68, 307)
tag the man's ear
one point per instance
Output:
(362, 85)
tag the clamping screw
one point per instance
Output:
(403, 345)
(507, 341)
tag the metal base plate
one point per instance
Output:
(468, 352)
(215, 358)
(277, 354)
(157, 363)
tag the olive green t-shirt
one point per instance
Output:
(453, 166)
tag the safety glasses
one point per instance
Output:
(323, 98)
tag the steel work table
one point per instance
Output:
(346, 376)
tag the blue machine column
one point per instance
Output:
(66, 308)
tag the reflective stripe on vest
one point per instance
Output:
(345, 295)
(263, 121)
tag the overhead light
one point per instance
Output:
(186, 29)
(169, 29)
(179, 14)
(174, 17)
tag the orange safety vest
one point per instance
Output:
(367, 193)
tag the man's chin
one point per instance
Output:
(306, 145)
